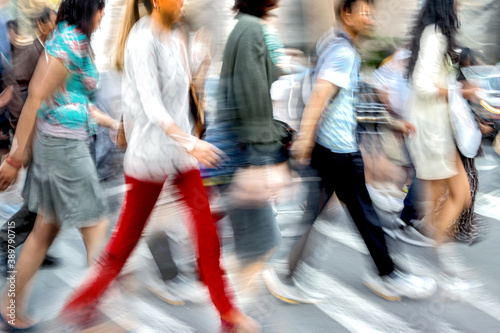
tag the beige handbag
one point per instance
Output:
(263, 184)
(121, 140)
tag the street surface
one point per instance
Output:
(336, 265)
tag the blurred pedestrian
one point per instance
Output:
(18, 79)
(261, 170)
(157, 126)
(327, 138)
(467, 227)
(64, 188)
(433, 150)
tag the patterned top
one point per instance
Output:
(155, 95)
(275, 46)
(339, 64)
(66, 113)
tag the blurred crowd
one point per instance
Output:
(212, 111)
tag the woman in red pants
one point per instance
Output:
(157, 125)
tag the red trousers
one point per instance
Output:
(138, 203)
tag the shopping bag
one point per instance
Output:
(465, 129)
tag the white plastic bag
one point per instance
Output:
(465, 129)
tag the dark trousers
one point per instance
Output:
(344, 175)
(410, 210)
(24, 220)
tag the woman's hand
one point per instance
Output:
(404, 127)
(242, 323)
(8, 175)
(103, 119)
(203, 151)
(207, 153)
(471, 94)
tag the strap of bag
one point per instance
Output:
(196, 108)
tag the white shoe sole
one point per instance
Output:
(379, 289)
(278, 289)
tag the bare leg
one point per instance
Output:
(94, 239)
(31, 257)
(458, 199)
(245, 276)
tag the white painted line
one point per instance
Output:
(486, 167)
(131, 311)
(479, 298)
(488, 205)
(341, 234)
(352, 310)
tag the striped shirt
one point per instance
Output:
(339, 64)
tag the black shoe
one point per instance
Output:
(50, 261)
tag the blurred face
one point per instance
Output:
(170, 10)
(360, 19)
(271, 4)
(47, 27)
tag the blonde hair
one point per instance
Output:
(131, 17)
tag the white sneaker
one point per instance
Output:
(384, 201)
(397, 285)
(287, 293)
(179, 291)
(453, 263)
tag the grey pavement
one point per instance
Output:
(335, 266)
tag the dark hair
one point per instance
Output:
(253, 7)
(347, 5)
(467, 58)
(12, 24)
(45, 15)
(80, 13)
(442, 14)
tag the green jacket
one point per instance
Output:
(246, 78)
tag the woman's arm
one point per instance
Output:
(50, 74)
(103, 119)
(6, 96)
(148, 84)
(426, 75)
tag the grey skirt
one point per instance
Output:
(63, 185)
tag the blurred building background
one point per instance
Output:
(300, 22)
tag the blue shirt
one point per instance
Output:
(339, 64)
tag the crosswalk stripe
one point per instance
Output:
(479, 299)
(355, 312)
(488, 204)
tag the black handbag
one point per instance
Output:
(289, 132)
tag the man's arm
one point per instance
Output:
(323, 92)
